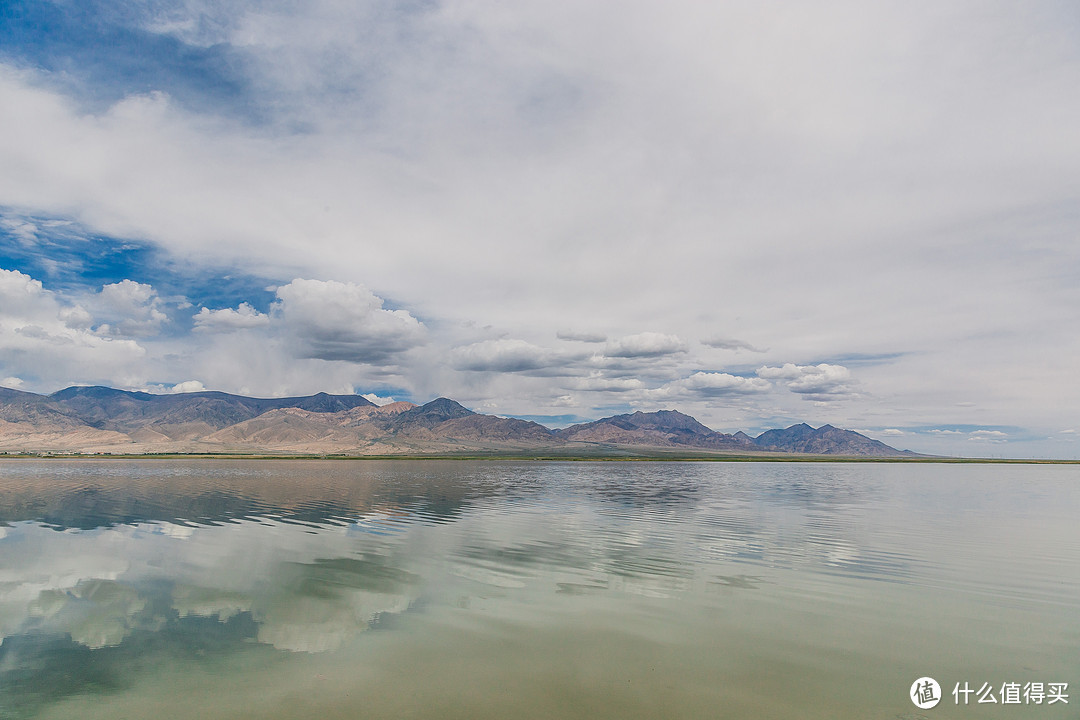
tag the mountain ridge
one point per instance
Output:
(98, 419)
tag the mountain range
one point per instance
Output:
(106, 420)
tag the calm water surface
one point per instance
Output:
(454, 589)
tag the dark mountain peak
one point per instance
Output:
(444, 408)
(98, 392)
(324, 402)
(826, 440)
(431, 414)
(126, 412)
(13, 395)
(663, 428)
(800, 431)
(671, 420)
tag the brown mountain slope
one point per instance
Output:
(440, 426)
(297, 430)
(99, 419)
(185, 415)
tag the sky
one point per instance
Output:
(759, 214)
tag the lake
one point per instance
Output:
(500, 589)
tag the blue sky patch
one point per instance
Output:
(67, 258)
(97, 54)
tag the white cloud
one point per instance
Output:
(817, 382)
(645, 344)
(710, 384)
(132, 309)
(244, 317)
(41, 337)
(21, 228)
(11, 382)
(991, 436)
(76, 317)
(503, 355)
(378, 400)
(893, 432)
(330, 320)
(188, 386)
(702, 385)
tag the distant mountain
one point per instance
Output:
(101, 419)
(441, 425)
(826, 440)
(80, 417)
(23, 407)
(663, 428)
(35, 422)
(445, 420)
(305, 431)
(184, 415)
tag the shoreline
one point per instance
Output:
(542, 457)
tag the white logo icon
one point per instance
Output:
(925, 693)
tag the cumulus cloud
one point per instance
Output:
(330, 320)
(42, 337)
(131, 309)
(188, 386)
(724, 343)
(816, 382)
(76, 317)
(705, 385)
(644, 345)
(244, 317)
(715, 383)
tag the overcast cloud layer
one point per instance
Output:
(865, 215)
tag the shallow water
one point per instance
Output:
(455, 589)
